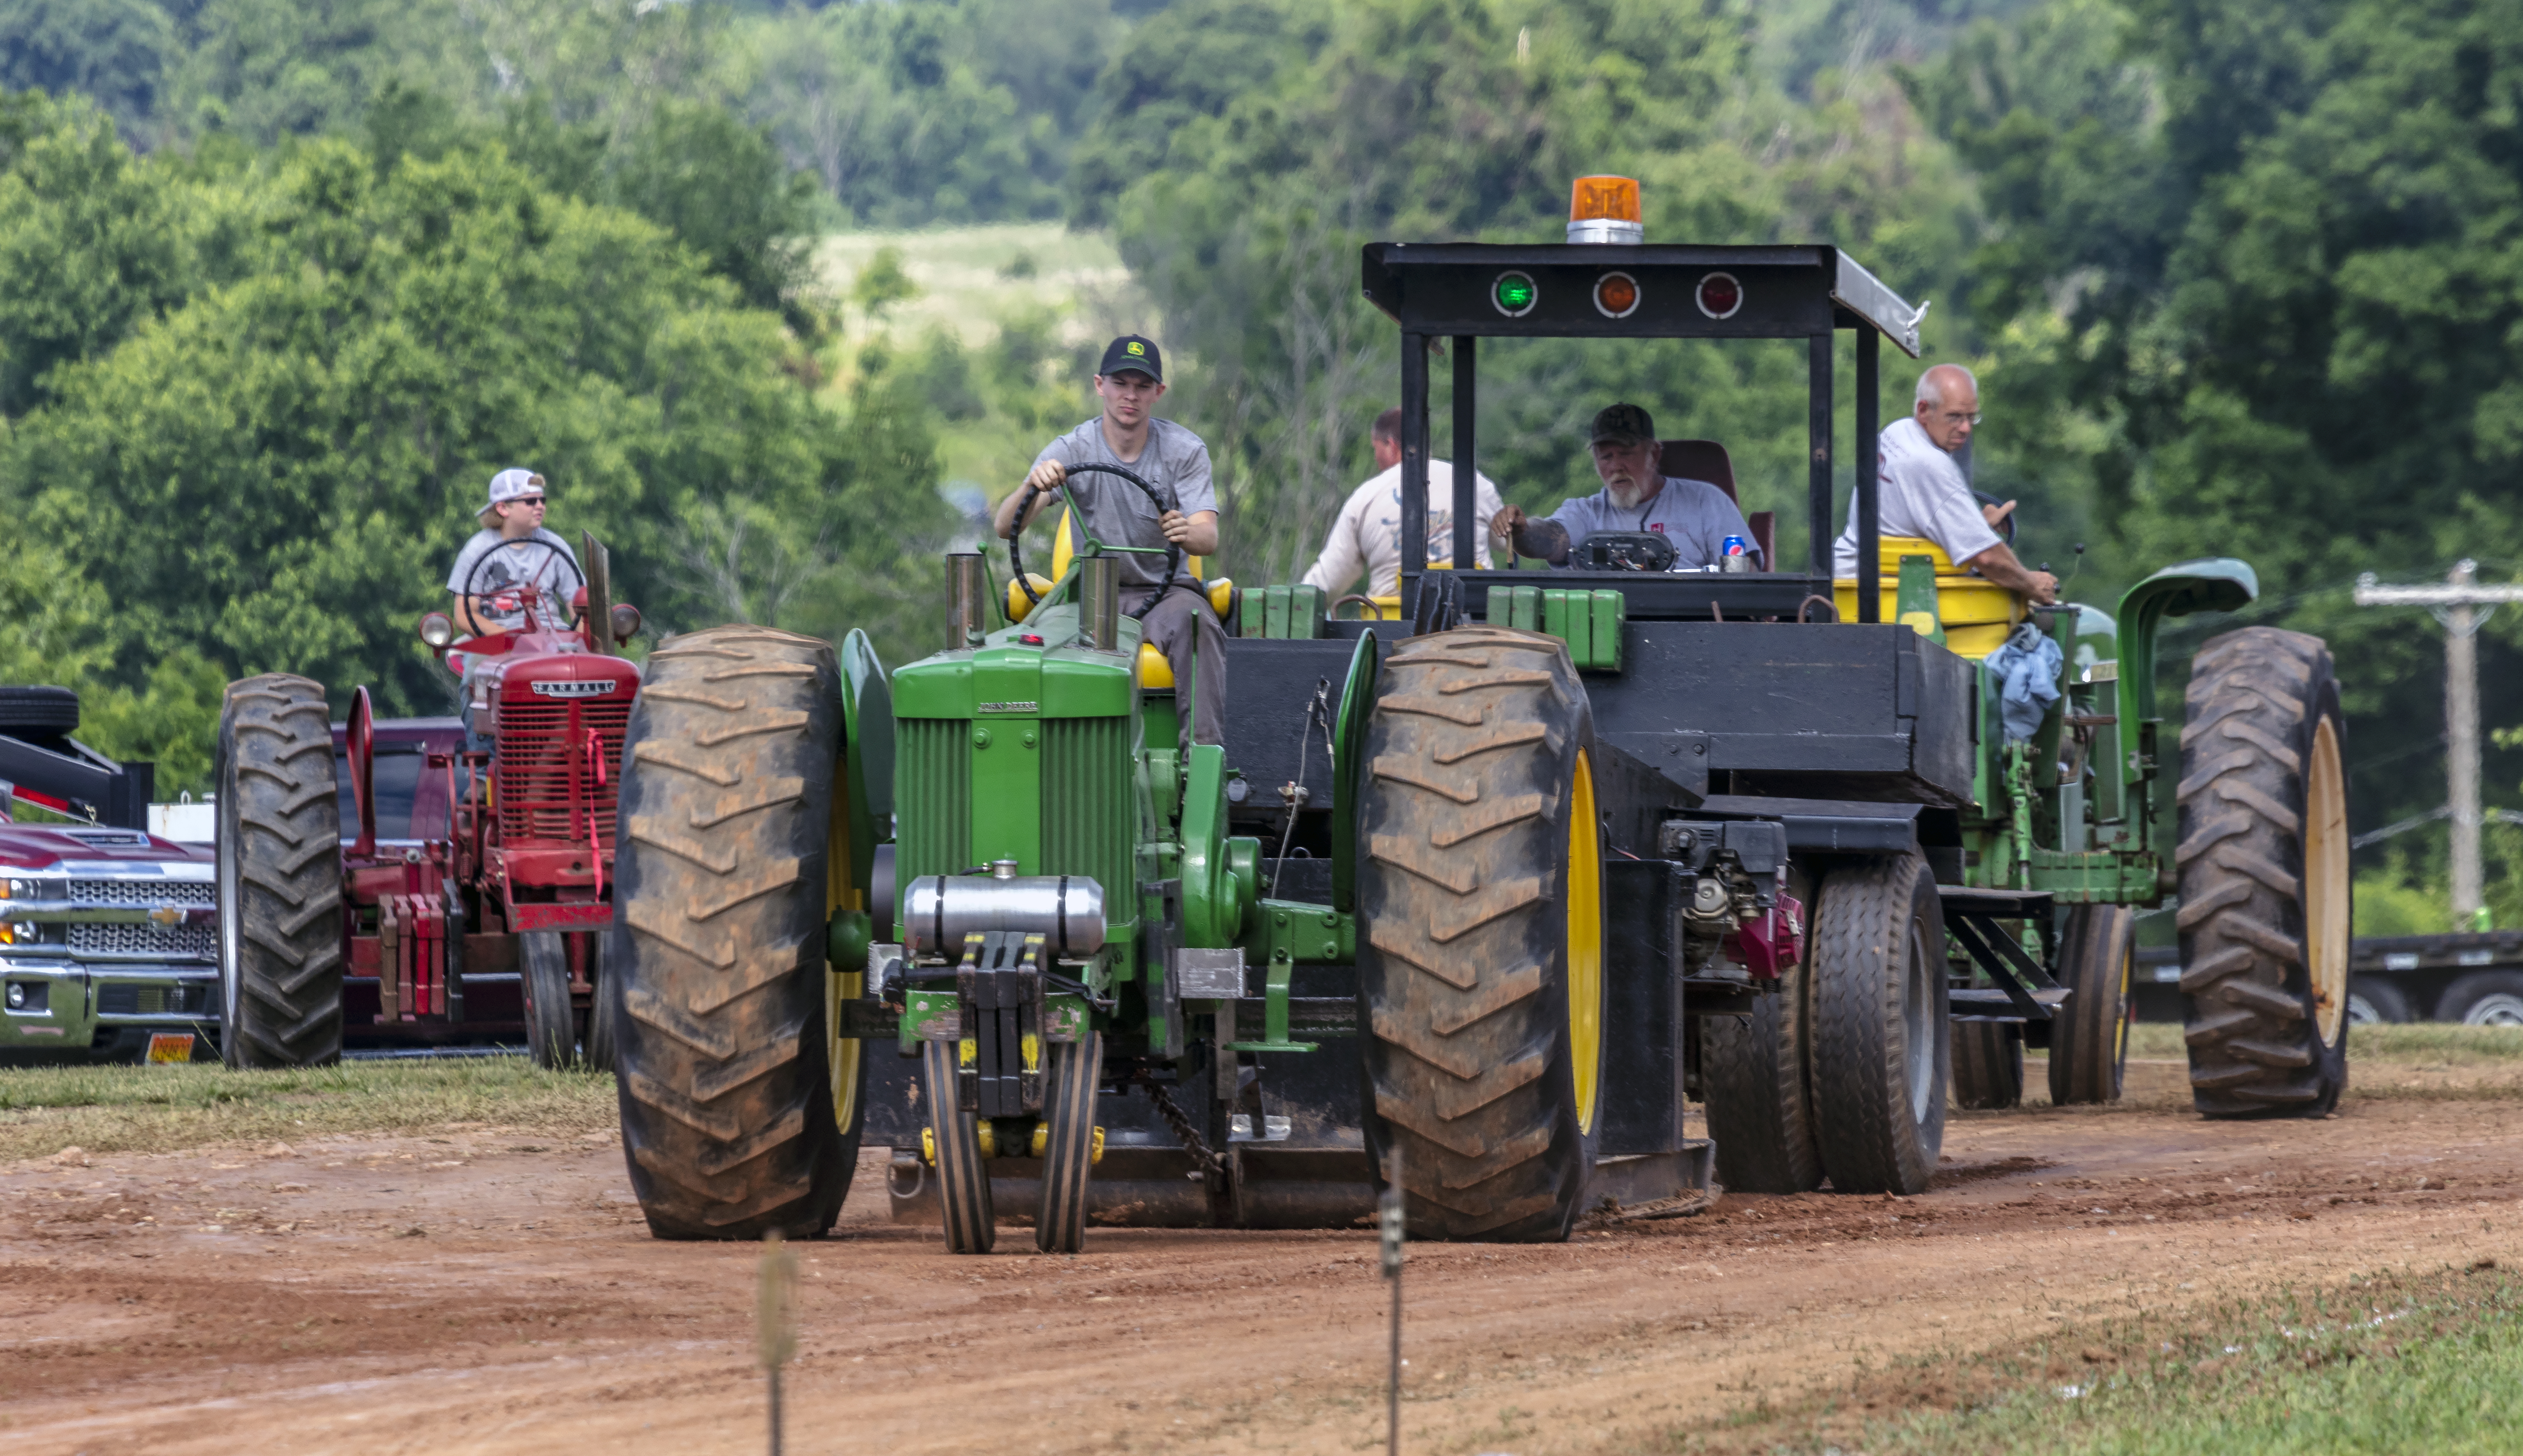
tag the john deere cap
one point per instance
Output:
(1132, 352)
(514, 485)
(1621, 424)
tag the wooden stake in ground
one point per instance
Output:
(1389, 1220)
(776, 1319)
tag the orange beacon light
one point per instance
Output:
(1604, 210)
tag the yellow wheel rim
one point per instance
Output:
(2325, 882)
(841, 1053)
(1584, 942)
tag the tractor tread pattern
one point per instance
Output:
(714, 966)
(1464, 828)
(280, 800)
(2256, 699)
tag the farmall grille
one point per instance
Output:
(932, 778)
(546, 782)
(1088, 803)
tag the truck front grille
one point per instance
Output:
(141, 892)
(142, 940)
(547, 791)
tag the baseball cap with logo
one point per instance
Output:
(514, 485)
(1132, 351)
(1621, 424)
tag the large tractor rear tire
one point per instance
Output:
(721, 898)
(1481, 948)
(2089, 1039)
(1879, 1035)
(1755, 1074)
(2263, 859)
(1988, 1066)
(279, 869)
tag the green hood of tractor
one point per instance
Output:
(1021, 751)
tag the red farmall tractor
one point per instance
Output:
(480, 908)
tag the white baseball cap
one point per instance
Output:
(514, 485)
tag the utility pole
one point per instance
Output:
(2456, 604)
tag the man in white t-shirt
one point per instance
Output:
(1920, 492)
(1368, 535)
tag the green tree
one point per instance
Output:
(275, 474)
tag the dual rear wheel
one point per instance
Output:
(1842, 1071)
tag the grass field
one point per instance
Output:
(972, 278)
(164, 1109)
(2429, 1363)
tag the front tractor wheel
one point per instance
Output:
(279, 870)
(718, 960)
(2263, 860)
(1481, 951)
(1756, 1074)
(2089, 1040)
(552, 1032)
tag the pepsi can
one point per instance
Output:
(1733, 554)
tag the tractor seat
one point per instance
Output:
(1977, 614)
(1706, 460)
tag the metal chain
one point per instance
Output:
(1181, 1124)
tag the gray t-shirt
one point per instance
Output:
(1118, 512)
(554, 572)
(1694, 515)
(1920, 491)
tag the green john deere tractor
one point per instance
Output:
(1498, 888)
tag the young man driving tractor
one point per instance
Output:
(1636, 495)
(511, 551)
(1130, 381)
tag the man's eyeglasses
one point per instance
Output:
(537, 501)
(1955, 417)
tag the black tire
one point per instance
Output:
(551, 1033)
(2374, 1000)
(2484, 998)
(604, 1012)
(39, 710)
(1988, 1066)
(2263, 859)
(721, 898)
(2089, 1039)
(1881, 1049)
(1480, 972)
(279, 871)
(1068, 1142)
(1755, 1075)
(954, 1144)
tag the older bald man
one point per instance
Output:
(1921, 491)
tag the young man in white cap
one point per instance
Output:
(512, 549)
(1179, 624)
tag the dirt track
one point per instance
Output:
(476, 1290)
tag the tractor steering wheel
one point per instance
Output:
(1173, 550)
(473, 578)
